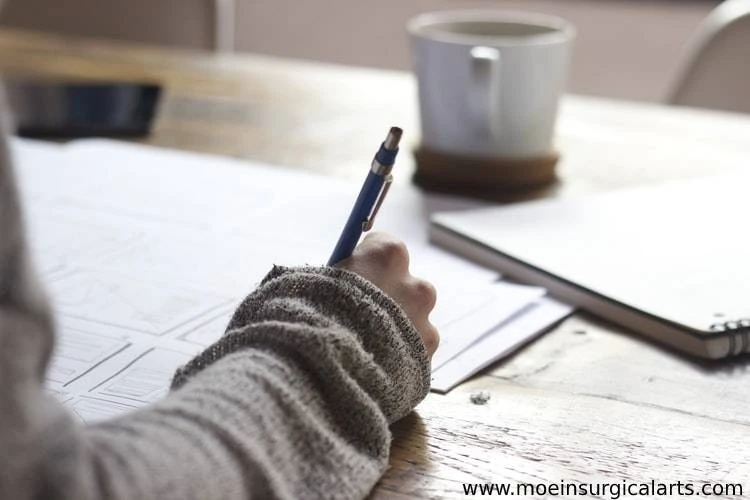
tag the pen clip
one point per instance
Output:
(370, 220)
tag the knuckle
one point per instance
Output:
(393, 252)
(431, 339)
(425, 293)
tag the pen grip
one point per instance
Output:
(349, 238)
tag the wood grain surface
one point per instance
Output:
(586, 403)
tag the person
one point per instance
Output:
(294, 401)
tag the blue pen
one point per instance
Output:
(370, 197)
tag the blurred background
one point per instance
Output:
(627, 49)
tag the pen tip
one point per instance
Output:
(393, 138)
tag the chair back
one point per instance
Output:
(716, 71)
(198, 24)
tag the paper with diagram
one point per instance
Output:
(146, 253)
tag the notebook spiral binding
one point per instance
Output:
(730, 325)
(742, 342)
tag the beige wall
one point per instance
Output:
(626, 49)
(185, 23)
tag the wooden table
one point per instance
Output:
(586, 403)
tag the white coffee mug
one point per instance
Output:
(490, 80)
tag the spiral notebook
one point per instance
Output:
(671, 262)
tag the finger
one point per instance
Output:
(430, 337)
(385, 251)
(423, 294)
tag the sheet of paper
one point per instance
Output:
(500, 342)
(146, 252)
(103, 370)
(228, 207)
(471, 312)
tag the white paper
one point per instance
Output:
(146, 253)
(78, 352)
(224, 205)
(472, 312)
(499, 343)
(102, 370)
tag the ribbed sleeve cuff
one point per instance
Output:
(355, 325)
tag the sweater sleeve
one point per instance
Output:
(293, 402)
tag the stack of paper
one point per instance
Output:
(146, 252)
(452, 366)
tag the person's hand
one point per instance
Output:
(384, 261)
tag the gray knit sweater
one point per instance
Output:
(293, 402)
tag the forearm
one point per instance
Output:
(293, 402)
(35, 431)
(289, 404)
(239, 430)
(343, 330)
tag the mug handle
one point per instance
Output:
(484, 93)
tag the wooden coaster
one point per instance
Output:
(483, 177)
